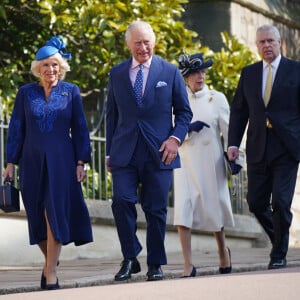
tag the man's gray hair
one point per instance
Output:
(139, 24)
(269, 28)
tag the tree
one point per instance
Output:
(94, 31)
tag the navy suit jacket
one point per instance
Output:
(283, 109)
(165, 94)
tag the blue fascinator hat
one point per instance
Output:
(53, 46)
(189, 64)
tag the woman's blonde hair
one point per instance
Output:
(64, 67)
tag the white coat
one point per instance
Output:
(201, 193)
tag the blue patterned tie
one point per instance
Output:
(138, 86)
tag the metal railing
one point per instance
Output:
(98, 184)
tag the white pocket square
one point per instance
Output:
(161, 83)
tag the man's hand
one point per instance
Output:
(169, 149)
(233, 153)
(107, 164)
(197, 126)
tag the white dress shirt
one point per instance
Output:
(134, 69)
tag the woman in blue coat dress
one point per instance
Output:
(48, 138)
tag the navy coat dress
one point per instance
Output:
(46, 139)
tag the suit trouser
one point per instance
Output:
(271, 185)
(143, 175)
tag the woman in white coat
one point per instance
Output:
(202, 199)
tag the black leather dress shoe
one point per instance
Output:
(277, 264)
(128, 267)
(154, 273)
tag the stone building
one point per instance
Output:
(241, 18)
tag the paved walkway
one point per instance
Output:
(93, 279)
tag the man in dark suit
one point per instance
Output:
(148, 115)
(268, 100)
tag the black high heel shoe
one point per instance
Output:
(54, 286)
(226, 270)
(44, 280)
(193, 273)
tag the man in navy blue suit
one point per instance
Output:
(148, 116)
(268, 100)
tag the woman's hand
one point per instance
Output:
(107, 164)
(80, 172)
(8, 173)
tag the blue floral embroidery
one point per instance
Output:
(45, 112)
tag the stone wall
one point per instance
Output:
(246, 19)
(246, 234)
(241, 18)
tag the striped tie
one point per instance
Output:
(138, 86)
(268, 86)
